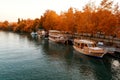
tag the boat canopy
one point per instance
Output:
(54, 31)
(84, 41)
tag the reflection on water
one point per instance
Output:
(92, 68)
(25, 58)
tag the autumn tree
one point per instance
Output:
(78, 21)
(70, 20)
(5, 25)
(116, 12)
(29, 25)
(86, 19)
(107, 20)
(20, 27)
(36, 24)
(0, 25)
(50, 20)
(106, 5)
(91, 19)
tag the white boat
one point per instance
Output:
(57, 36)
(88, 47)
(34, 34)
(41, 33)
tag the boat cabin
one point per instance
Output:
(84, 43)
(88, 47)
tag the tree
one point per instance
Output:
(50, 20)
(5, 25)
(106, 5)
(68, 20)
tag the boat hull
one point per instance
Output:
(82, 51)
(57, 40)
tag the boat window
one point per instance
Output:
(82, 45)
(92, 45)
(76, 44)
(85, 45)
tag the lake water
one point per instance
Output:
(25, 58)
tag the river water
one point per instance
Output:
(25, 58)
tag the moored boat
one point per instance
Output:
(34, 34)
(88, 47)
(41, 33)
(57, 36)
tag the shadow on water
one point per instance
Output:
(58, 50)
(93, 68)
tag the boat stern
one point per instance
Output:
(96, 51)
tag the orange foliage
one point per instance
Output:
(50, 20)
(92, 19)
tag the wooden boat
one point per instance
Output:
(41, 33)
(57, 36)
(88, 47)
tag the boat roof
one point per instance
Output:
(84, 41)
(54, 31)
(55, 36)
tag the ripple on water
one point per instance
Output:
(25, 58)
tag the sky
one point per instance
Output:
(11, 10)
